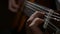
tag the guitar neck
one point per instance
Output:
(30, 8)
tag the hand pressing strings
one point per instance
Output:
(34, 21)
(36, 17)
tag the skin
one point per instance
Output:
(34, 21)
(12, 4)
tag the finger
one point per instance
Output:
(36, 22)
(36, 14)
(14, 4)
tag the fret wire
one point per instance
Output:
(36, 5)
(54, 26)
(41, 7)
(45, 12)
(52, 18)
(30, 7)
(45, 15)
(34, 8)
(47, 9)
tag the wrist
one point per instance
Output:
(36, 30)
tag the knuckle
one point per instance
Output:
(29, 20)
(38, 12)
(36, 19)
(39, 20)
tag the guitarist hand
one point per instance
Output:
(35, 20)
(13, 6)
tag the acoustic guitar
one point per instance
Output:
(30, 6)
